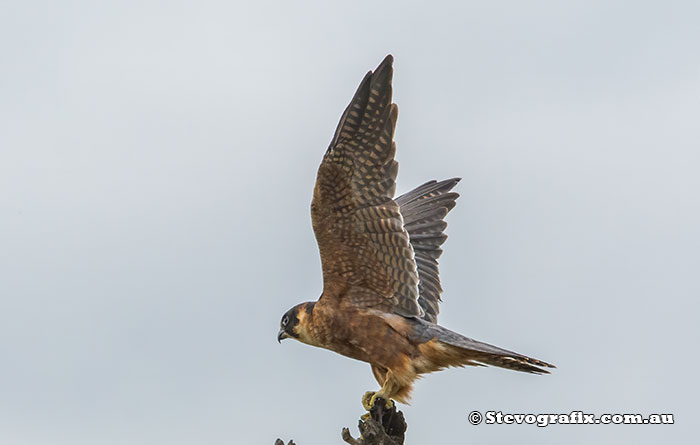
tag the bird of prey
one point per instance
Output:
(381, 287)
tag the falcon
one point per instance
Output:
(381, 285)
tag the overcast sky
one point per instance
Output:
(156, 166)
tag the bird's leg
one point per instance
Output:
(366, 397)
(388, 389)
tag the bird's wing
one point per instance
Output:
(424, 209)
(366, 255)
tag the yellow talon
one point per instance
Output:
(367, 398)
(371, 397)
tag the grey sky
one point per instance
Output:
(156, 166)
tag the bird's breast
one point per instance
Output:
(360, 334)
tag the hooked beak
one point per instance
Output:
(281, 335)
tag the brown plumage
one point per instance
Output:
(381, 285)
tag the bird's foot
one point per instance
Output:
(370, 397)
(366, 398)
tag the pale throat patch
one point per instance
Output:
(300, 328)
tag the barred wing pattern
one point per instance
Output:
(366, 254)
(424, 210)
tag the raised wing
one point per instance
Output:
(424, 209)
(366, 255)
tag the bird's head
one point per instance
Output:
(294, 323)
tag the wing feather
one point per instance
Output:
(366, 253)
(424, 210)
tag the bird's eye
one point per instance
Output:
(285, 321)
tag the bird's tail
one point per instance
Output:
(445, 348)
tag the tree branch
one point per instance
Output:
(383, 426)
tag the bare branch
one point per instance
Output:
(381, 426)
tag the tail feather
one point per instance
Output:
(459, 350)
